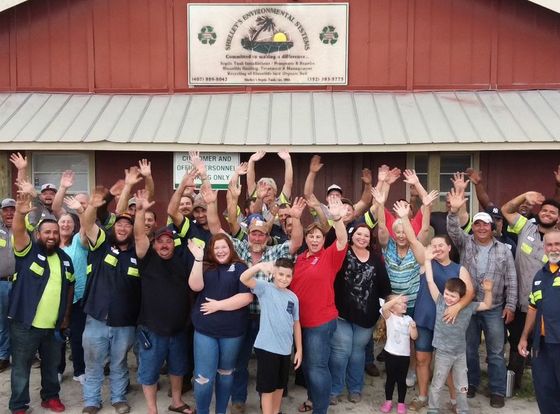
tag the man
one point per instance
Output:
(252, 248)
(200, 217)
(164, 309)
(7, 269)
(112, 303)
(40, 304)
(485, 257)
(529, 259)
(542, 318)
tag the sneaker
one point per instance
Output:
(372, 370)
(80, 378)
(91, 409)
(333, 400)
(471, 392)
(417, 404)
(54, 404)
(401, 408)
(410, 379)
(497, 401)
(4, 364)
(355, 397)
(238, 408)
(36, 363)
(121, 407)
(386, 407)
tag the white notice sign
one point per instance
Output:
(220, 166)
(268, 44)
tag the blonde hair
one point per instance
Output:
(380, 334)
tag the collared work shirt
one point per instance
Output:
(7, 258)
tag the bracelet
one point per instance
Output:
(338, 219)
(196, 260)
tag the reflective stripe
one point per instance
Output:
(70, 277)
(545, 258)
(535, 296)
(200, 243)
(370, 221)
(3, 243)
(24, 252)
(468, 227)
(176, 242)
(133, 271)
(518, 226)
(30, 227)
(556, 281)
(525, 248)
(14, 277)
(185, 227)
(112, 260)
(100, 239)
(38, 269)
(111, 222)
(88, 269)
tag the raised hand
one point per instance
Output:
(67, 179)
(459, 181)
(25, 187)
(366, 176)
(97, 197)
(266, 267)
(208, 195)
(402, 208)
(241, 169)
(235, 189)
(379, 196)
(557, 175)
(73, 204)
(474, 175)
(383, 173)
(145, 167)
(428, 253)
(534, 198)
(284, 154)
(132, 176)
(262, 188)
(142, 202)
(19, 161)
(410, 177)
(336, 207)
(393, 175)
(456, 200)
(313, 202)
(315, 164)
(23, 203)
(196, 250)
(117, 188)
(197, 163)
(429, 198)
(257, 156)
(297, 207)
(188, 179)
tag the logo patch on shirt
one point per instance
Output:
(315, 261)
(66, 263)
(231, 268)
(290, 307)
(41, 257)
(133, 260)
(537, 282)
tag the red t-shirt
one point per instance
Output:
(416, 222)
(313, 284)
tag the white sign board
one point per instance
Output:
(268, 44)
(220, 166)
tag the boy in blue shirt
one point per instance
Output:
(279, 325)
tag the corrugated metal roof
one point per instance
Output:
(304, 121)
(549, 4)
(6, 4)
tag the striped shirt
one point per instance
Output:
(404, 272)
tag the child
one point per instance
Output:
(279, 325)
(449, 338)
(400, 329)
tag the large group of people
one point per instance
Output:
(96, 271)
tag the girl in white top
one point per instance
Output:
(400, 329)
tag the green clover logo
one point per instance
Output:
(207, 35)
(328, 35)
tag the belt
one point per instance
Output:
(7, 278)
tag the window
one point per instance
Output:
(436, 169)
(48, 166)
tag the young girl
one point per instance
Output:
(400, 328)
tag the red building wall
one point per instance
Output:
(141, 45)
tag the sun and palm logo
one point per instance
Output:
(207, 35)
(328, 35)
(276, 42)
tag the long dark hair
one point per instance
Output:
(210, 260)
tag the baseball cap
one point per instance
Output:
(257, 222)
(485, 217)
(494, 212)
(48, 186)
(199, 202)
(163, 231)
(334, 187)
(8, 202)
(131, 201)
(125, 216)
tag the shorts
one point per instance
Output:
(424, 341)
(173, 349)
(272, 371)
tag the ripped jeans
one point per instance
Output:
(214, 363)
(457, 364)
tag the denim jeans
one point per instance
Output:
(102, 342)
(214, 363)
(5, 288)
(316, 355)
(241, 374)
(25, 344)
(347, 360)
(369, 353)
(491, 323)
(77, 326)
(456, 364)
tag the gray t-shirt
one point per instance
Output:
(482, 260)
(450, 337)
(279, 310)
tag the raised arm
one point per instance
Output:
(314, 167)
(23, 206)
(73, 204)
(509, 209)
(297, 229)
(91, 229)
(103, 214)
(141, 241)
(248, 276)
(66, 181)
(200, 166)
(336, 210)
(402, 209)
(460, 185)
(480, 189)
(314, 204)
(196, 279)
(426, 209)
(288, 173)
(452, 311)
(434, 291)
(457, 235)
(382, 231)
(131, 178)
(145, 169)
(210, 197)
(251, 180)
(386, 308)
(185, 187)
(557, 184)
(20, 162)
(365, 201)
(411, 178)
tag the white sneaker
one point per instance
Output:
(59, 378)
(410, 379)
(81, 379)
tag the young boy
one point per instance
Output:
(279, 326)
(449, 338)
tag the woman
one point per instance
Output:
(359, 284)
(425, 310)
(314, 274)
(219, 318)
(71, 243)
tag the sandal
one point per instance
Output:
(182, 409)
(305, 407)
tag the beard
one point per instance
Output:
(544, 225)
(48, 249)
(120, 243)
(256, 248)
(553, 258)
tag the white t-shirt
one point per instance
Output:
(398, 336)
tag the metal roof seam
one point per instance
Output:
(333, 108)
(110, 133)
(16, 109)
(226, 120)
(50, 121)
(312, 112)
(204, 119)
(500, 130)
(144, 110)
(467, 117)
(515, 118)
(357, 119)
(96, 118)
(183, 119)
(400, 117)
(378, 119)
